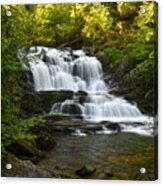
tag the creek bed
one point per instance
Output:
(118, 155)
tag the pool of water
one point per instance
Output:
(120, 155)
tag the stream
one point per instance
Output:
(121, 155)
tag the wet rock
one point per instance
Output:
(145, 176)
(25, 150)
(109, 174)
(72, 109)
(82, 95)
(23, 168)
(112, 126)
(54, 117)
(127, 64)
(28, 77)
(37, 103)
(105, 175)
(45, 141)
(90, 51)
(101, 56)
(91, 127)
(64, 129)
(85, 171)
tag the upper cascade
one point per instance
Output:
(65, 70)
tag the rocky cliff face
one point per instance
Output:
(38, 103)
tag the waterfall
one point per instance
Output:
(59, 71)
(56, 70)
(101, 107)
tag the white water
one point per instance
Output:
(79, 133)
(105, 130)
(61, 71)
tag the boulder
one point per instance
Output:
(85, 171)
(22, 168)
(38, 103)
(25, 150)
(105, 175)
(111, 126)
(45, 141)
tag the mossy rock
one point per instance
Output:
(37, 103)
(25, 150)
(22, 168)
(45, 141)
(86, 171)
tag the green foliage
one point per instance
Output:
(97, 21)
(19, 129)
(114, 54)
(142, 47)
(118, 29)
(58, 23)
(135, 35)
(16, 33)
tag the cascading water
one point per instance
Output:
(61, 72)
(73, 70)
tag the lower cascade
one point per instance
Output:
(60, 70)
